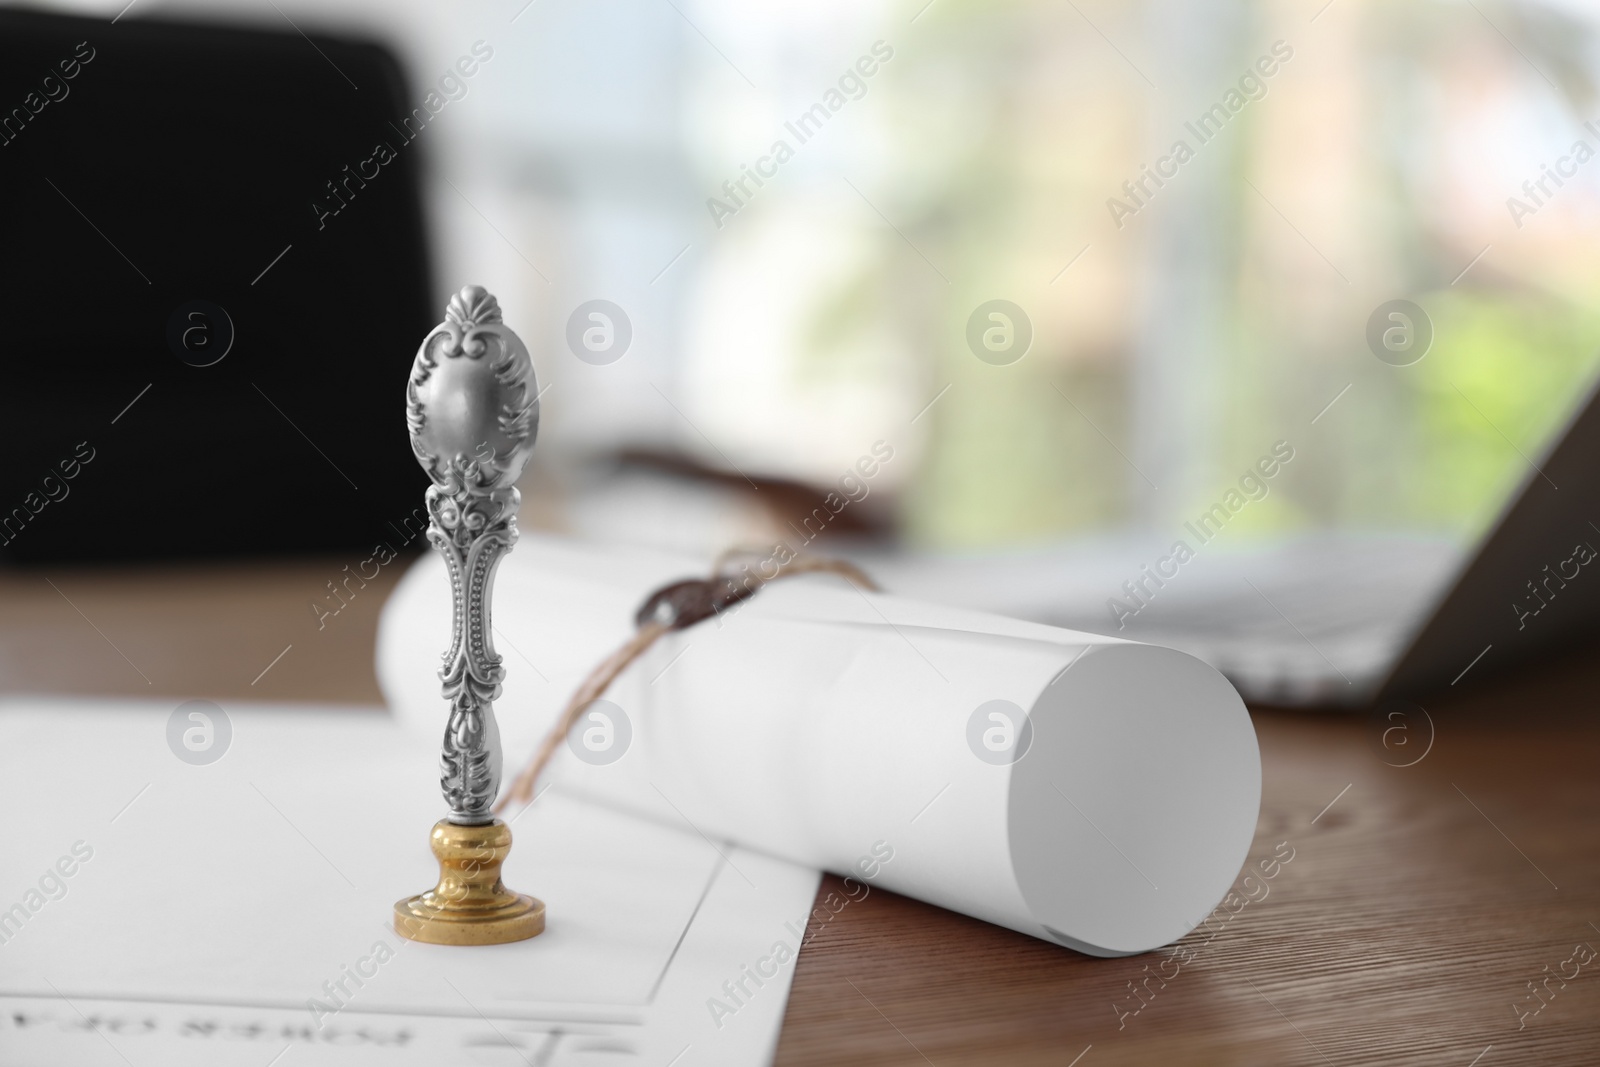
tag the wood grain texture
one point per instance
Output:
(1406, 927)
(199, 630)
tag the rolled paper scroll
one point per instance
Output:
(1093, 792)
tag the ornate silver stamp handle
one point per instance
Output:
(472, 409)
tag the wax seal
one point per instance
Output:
(472, 409)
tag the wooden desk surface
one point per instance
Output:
(1420, 902)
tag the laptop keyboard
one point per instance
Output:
(1311, 620)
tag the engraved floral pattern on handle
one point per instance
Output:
(472, 411)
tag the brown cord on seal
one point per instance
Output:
(672, 607)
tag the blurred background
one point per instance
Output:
(779, 331)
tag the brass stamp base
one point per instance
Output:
(470, 905)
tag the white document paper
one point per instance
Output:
(833, 728)
(154, 912)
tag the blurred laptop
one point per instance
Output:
(1328, 619)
